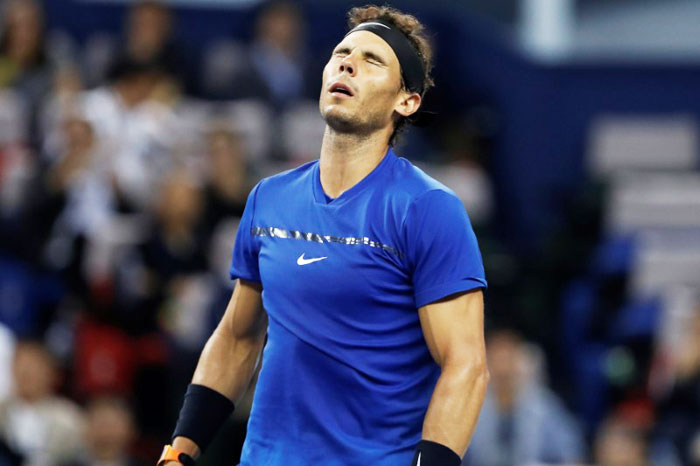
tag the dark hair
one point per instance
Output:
(413, 30)
(150, 5)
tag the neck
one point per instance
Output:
(347, 158)
(127, 97)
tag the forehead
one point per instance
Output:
(369, 42)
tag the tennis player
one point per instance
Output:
(371, 281)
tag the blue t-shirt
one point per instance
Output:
(346, 375)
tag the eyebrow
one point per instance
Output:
(365, 54)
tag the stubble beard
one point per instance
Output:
(352, 123)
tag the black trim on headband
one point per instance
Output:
(411, 64)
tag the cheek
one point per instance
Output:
(326, 72)
(378, 95)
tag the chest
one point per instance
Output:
(335, 260)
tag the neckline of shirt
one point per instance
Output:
(320, 197)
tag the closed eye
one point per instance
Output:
(374, 59)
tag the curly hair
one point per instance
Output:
(416, 34)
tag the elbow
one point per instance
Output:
(472, 372)
(481, 374)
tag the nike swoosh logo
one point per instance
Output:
(418, 462)
(302, 261)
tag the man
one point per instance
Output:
(343, 251)
(35, 422)
(522, 421)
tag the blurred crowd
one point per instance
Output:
(123, 175)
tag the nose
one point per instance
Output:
(347, 65)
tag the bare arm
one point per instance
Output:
(454, 331)
(232, 353)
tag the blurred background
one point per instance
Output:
(132, 131)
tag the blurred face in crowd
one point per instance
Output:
(618, 444)
(67, 82)
(23, 31)
(110, 429)
(34, 372)
(180, 202)
(79, 135)
(148, 30)
(281, 27)
(362, 86)
(227, 162)
(225, 149)
(505, 358)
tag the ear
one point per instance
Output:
(407, 103)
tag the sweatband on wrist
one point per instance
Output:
(434, 454)
(203, 412)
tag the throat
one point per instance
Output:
(347, 158)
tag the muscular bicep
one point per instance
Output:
(244, 316)
(454, 328)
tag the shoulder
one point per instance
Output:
(411, 182)
(417, 192)
(286, 180)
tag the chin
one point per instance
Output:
(341, 121)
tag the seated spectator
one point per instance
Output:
(276, 65)
(62, 103)
(67, 200)
(35, 422)
(521, 420)
(228, 187)
(24, 65)
(109, 434)
(149, 36)
(175, 247)
(129, 138)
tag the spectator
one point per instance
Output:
(41, 426)
(130, 140)
(228, 186)
(109, 434)
(24, 65)
(521, 421)
(277, 61)
(22, 56)
(147, 38)
(149, 35)
(173, 250)
(175, 247)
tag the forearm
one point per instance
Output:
(455, 405)
(226, 365)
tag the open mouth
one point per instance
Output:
(340, 88)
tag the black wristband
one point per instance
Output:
(186, 459)
(434, 454)
(203, 412)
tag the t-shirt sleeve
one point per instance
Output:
(442, 251)
(244, 264)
